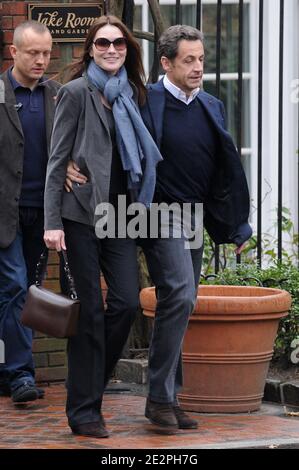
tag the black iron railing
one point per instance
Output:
(128, 13)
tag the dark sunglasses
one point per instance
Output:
(103, 44)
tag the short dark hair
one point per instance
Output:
(170, 38)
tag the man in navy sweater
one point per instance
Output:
(26, 116)
(200, 165)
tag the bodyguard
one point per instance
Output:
(27, 106)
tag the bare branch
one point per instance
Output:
(144, 35)
(157, 16)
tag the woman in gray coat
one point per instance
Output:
(98, 126)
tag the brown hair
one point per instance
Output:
(133, 62)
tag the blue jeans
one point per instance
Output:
(17, 272)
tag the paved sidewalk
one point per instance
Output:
(43, 425)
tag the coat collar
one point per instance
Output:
(96, 98)
(10, 103)
(50, 102)
(156, 103)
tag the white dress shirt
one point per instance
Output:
(178, 93)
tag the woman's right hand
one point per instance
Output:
(54, 239)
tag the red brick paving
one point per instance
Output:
(43, 425)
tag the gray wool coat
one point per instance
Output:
(80, 133)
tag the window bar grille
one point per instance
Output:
(260, 133)
(178, 12)
(154, 73)
(218, 79)
(106, 7)
(128, 14)
(280, 131)
(240, 85)
(218, 47)
(198, 14)
(298, 176)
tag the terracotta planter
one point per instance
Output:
(228, 345)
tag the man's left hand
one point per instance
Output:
(73, 175)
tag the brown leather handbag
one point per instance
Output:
(53, 314)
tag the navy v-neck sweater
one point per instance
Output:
(189, 148)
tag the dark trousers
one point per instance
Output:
(95, 350)
(175, 271)
(17, 273)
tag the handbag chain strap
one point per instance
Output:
(40, 268)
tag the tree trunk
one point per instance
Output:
(115, 7)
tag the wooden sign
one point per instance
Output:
(67, 22)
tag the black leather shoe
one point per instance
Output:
(95, 429)
(184, 421)
(24, 393)
(162, 416)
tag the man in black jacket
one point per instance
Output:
(200, 165)
(27, 105)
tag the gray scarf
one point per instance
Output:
(139, 154)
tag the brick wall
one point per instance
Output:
(50, 353)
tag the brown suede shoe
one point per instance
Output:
(162, 416)
(95, 429)
(184, 421)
